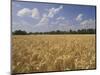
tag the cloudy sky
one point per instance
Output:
(43, 17)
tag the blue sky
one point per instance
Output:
(43, 17)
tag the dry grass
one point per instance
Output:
(39, 53)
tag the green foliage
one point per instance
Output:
(19, 32)
(82, 31)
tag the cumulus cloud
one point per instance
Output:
(22, 25)
(63, 25)
(24, 12)
(44, 20)
(53, 11)
(66, 25)
(60, 18)
(50, 14)
(85, 24)
(89, 23)
(79, 17)
(34, 13)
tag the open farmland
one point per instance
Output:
(39, 53)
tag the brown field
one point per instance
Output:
(39, 53)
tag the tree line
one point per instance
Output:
(80, 31)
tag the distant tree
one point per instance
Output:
(86, 31)
(30, 33)
(19, 32)
(80, 31)
(70, 31)
(91, 31)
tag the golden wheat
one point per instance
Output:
(39, 53)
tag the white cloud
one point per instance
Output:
(63, 25)
(66, 25)
(79, 17)
(90, 23)
(60, 18)
(55, 22)
(34, 13)
(24, 12)
(44, 21)
(85, 24)
(50, 14)
(53, 11)
(22, 25)
(59, 21)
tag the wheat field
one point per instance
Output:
(41, 53)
